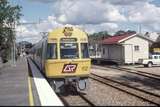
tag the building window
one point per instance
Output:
(136, 48)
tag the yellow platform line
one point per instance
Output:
(31, 101)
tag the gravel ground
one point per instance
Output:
(106, 95)
(103, 95)
(131, 79)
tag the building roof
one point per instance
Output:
(117, 38)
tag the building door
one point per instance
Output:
(128, 53)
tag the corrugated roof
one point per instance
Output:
(115, 39)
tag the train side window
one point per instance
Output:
(84, 50)
(51, 51)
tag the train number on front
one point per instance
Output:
(69, 68)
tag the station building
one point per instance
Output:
(126, 48)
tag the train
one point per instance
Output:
(63, 57)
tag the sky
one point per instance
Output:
(89, 15)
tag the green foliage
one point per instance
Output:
(131, 31)
(96, 37)
(120, 32)
(100, 35)
(9, 16)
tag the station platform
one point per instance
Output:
(23, 85)
(14, 84)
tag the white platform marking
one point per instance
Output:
(46, 94)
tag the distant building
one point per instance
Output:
(153, 35)
(126, 48)
(94, 47)
(23, 47)
(158, 39)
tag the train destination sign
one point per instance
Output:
(68, 40)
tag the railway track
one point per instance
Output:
(139, 93)
(132, 71)
(141, 72)
(79, 97)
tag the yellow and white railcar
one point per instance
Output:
(64, 58)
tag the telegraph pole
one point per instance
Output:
(140, 28)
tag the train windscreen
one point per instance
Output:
(84, 50)
(51, 51)
(69, 50)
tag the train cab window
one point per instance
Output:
(84, 50)
(51, 51)
(69, 50)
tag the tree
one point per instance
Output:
(121, 32)
(100, 35)
(131, 31)
(9, 16)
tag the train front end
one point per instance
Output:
(68, 61)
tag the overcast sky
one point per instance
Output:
(90, 15)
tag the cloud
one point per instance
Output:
(110, 27)
(26, 33)
(43, 1)
(78, 12)
(32, 33)
(94, 16)
(147, 15)
(127, 2)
